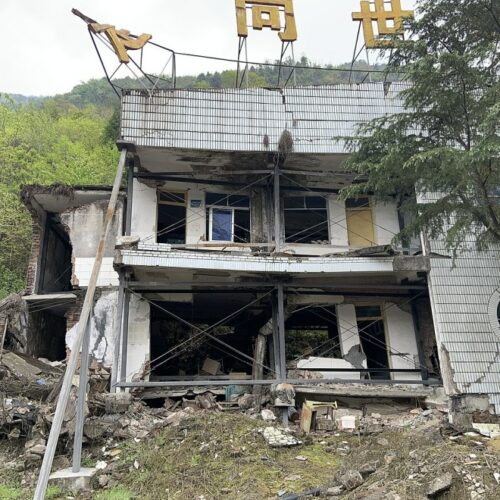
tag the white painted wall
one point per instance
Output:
(329, 364)
(138, 348)
(338, 222)
(401, 338)
(144, 212)
(386, 222)
(196, 217)
(83, 269)
(84, 225)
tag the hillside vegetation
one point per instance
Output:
(69, 139)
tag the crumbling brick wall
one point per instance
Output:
(73, 313)
(36, 239)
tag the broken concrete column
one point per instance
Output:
(401, 337)
(348, 329)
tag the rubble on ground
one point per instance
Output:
(374, 452)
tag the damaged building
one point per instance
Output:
(234, 261)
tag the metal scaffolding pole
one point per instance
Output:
(62, 402)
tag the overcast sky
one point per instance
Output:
(47, 50)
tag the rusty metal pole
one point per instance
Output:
(62, 402)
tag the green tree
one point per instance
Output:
(447, 141)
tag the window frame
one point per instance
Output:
(229, 208)
(159, 202)
(305, 208)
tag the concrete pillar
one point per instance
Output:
(401, 338)
(144, 212)
(195, 216)
(337, 222)
(385, 221)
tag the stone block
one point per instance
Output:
(118, 402)
(71, 481)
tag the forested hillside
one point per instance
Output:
(44, 143)
(70, 139)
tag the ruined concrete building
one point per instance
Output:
(234, 261)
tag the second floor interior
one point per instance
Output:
(235, 205)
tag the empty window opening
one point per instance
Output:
(228, 217)
(306, 220)
(56, 265)
(360, 230)
(312, 332)
(171, 218)
(373, 342)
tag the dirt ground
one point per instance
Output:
(209, 454)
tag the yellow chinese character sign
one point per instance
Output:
(121, 40)
(267, 14)
(389, 17)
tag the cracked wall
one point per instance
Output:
(102, 329)
(84, 225)
(467, 334)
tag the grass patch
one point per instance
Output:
(117, 493)
(217, 455)
(10, 492)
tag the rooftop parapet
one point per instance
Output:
(319, 119)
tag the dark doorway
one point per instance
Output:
(372, 335)
(56, 266)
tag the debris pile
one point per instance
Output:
(278, 438)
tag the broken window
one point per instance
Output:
(228, 217)
(306, 219)
(359, 215)
(171, 217)
(372, 336)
